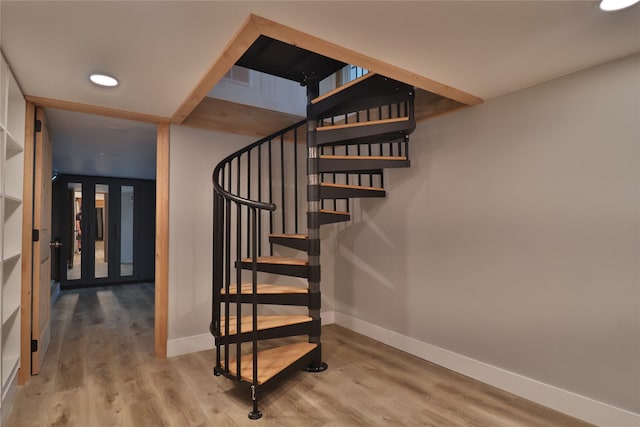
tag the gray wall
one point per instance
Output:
(193, 154)
(514, 237)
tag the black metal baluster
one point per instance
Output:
(283, 210)
(248, 197)
(406, 146)
(255, 413)
(369, 148)
(238, 288)
(322, 175)
(260, 199)
(217, 277)
(227, 283)
(295, 177)
(270, 197)
(333, 152)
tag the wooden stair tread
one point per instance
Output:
(265, 288)
(271, 361)
(349, 186)
(339, 157)
(359, 124)
(341, 88)
(277, 260)
(327, 211)
(290, 236)
(264, 322)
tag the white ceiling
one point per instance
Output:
(85, 144)
(160, 50)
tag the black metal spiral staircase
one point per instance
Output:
(264, 202)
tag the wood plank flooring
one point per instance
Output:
(100, 371)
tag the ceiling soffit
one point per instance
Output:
(256, 27)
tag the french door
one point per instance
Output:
(104, 230)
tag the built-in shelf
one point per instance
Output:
(11, 201)
(12, 134)
(13, 147)
(10, 343)
(9, 386)
(9, 370)
(9, 312)
(9, 258)
(3, 93)
(11, 284)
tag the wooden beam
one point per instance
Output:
(95, 109)
(237, 46)
(162, 240)
(24, 371)
(314, 44)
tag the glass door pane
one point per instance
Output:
(126, 234)
(101, 231)
(74, 252)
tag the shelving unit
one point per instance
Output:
(12, 122)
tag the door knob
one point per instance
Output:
(55, 244)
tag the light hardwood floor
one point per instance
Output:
(100, 371)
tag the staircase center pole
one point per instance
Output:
(313, 223)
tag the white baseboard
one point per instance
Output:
(328, 317)
(573, 404)
(186, 345)
(192, 344)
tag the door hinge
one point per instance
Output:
(35, 236)
(34, 346)
(38, 126)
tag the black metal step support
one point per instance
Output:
(313, 218)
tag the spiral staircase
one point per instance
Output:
(274, 195)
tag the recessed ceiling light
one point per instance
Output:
(103, 80)
(611, 5)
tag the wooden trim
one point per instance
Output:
(314, 44)
(265, 289)
(95, 109)
(361, 124)
(162, 240)
(352, 187)
(24, 371)
(290, 236)
(327, 211)
(277, 260)
(237, 46)
(342, 87)
(337, 157)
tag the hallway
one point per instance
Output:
(101, 371)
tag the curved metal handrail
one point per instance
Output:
(215, 176)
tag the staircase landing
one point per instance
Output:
(284, 60)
